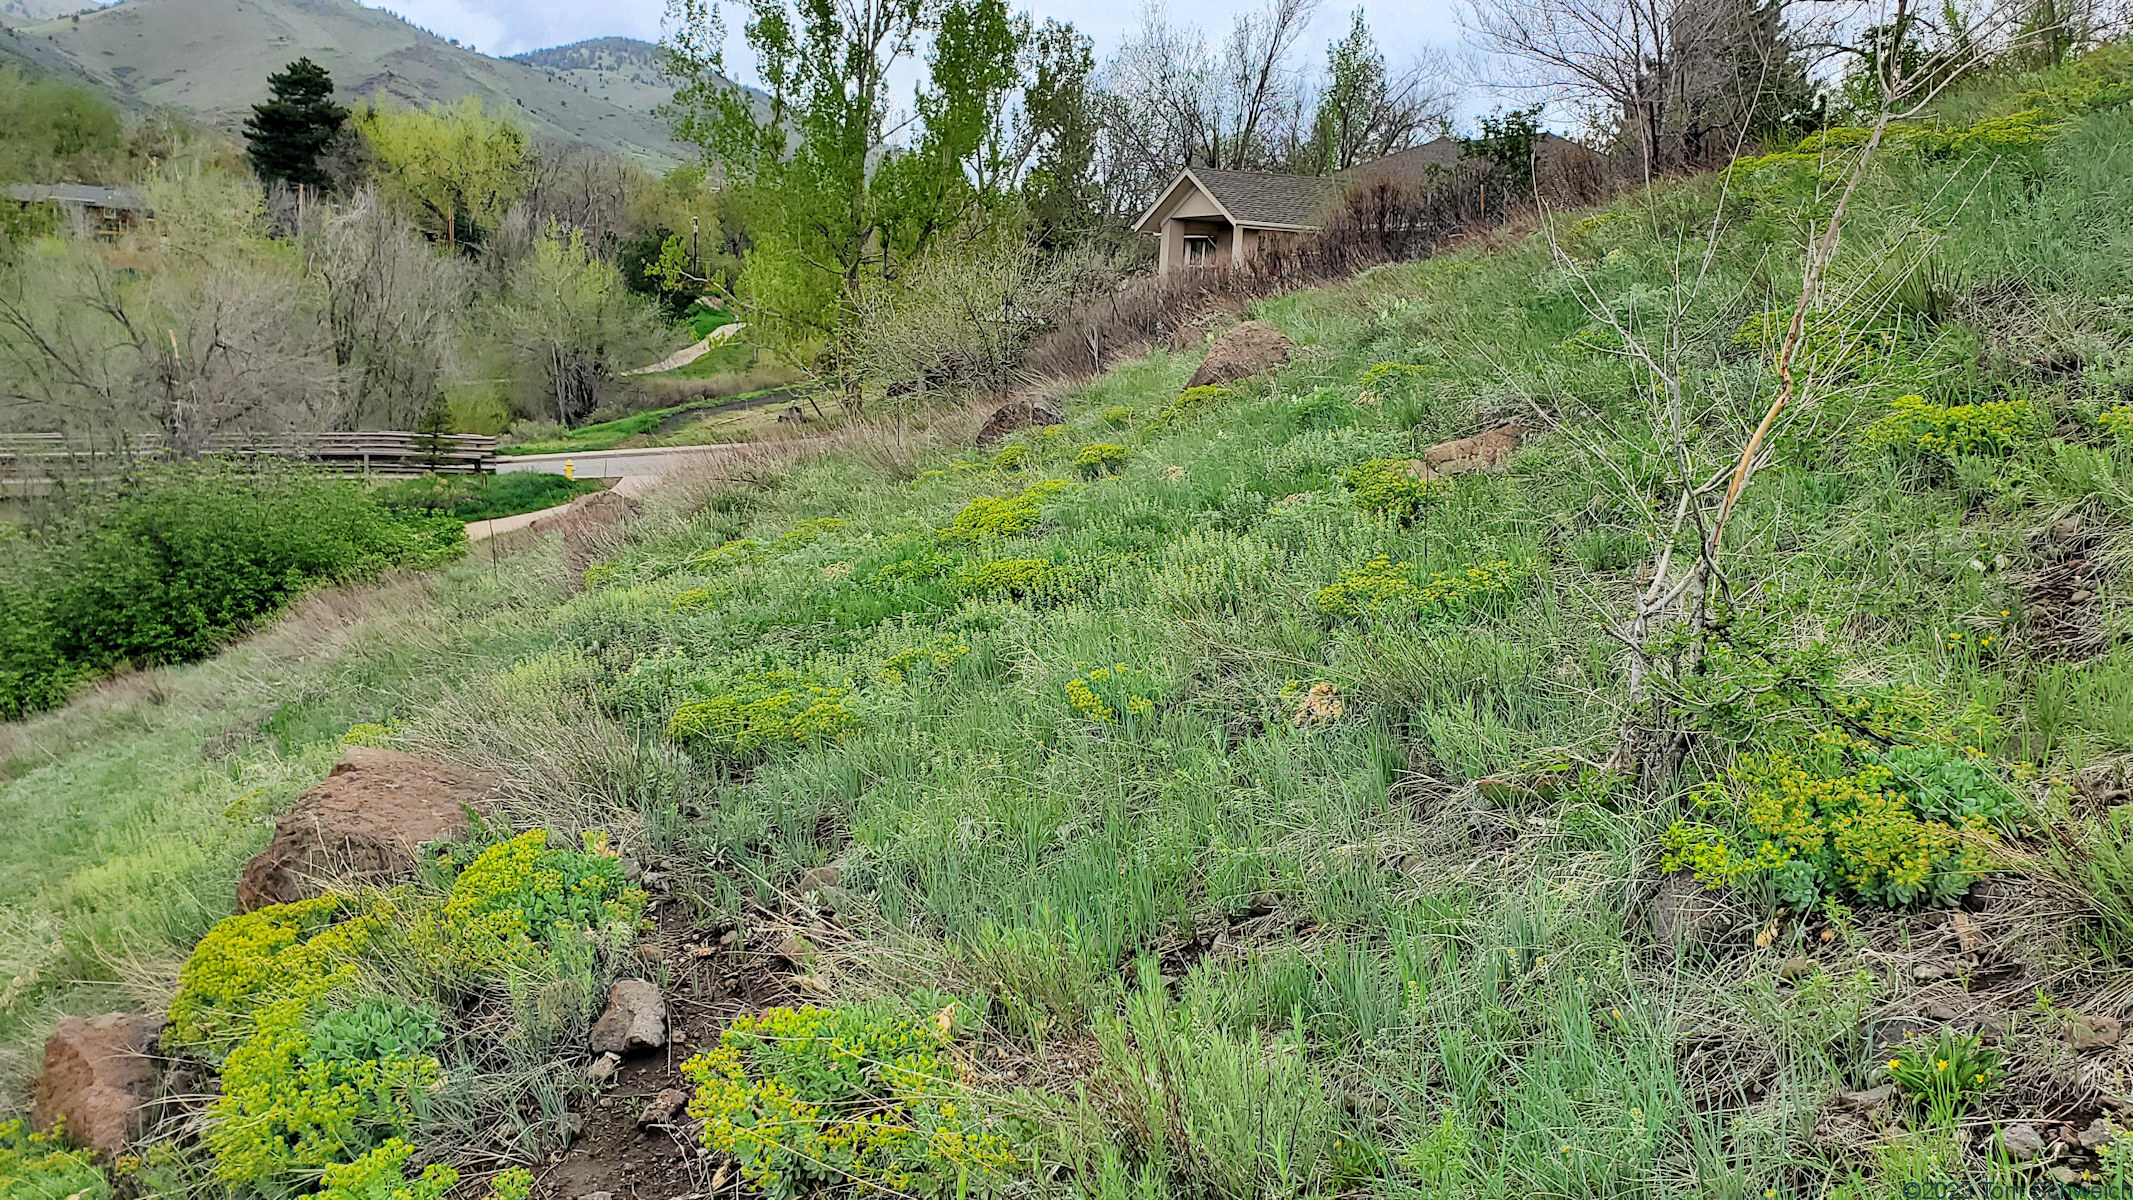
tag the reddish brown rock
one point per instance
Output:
(99, 1075)
(1484, 451)
(1017, 415)
(636, 1019)
(1243, 351)
(363, 824)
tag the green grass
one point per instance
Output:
(1263, 949)
(610, 435)
(484, 497)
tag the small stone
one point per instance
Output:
(729, 937)
(1928, 972)
(796, 950)
(2097, 1135)
(636, 1019)
(572, 1125)
(1869, 1099)
(663, 1108)
(603, 1068)
(2093, 1033)
(1968, 933)
(597, 1196)
(1797, 968)
(2081, 597)
(2022, 1142)
(2066, 528)
(2067, 1175)
(818, 878)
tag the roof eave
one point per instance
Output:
(1141, 226)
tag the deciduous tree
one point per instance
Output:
(454, 168)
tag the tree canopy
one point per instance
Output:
(286, 135)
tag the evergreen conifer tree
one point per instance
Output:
(287, 133)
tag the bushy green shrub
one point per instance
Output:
(379, 1175)
(762, 709)
(1917, 424)
(1003, 516)
(1382, 587)
(302, 951)
(41, 1166)
(1101, 458)
(1892, 822)
(1013, 578)
(284, 1109)
(171, 569)
(319, 1075)
(2117, 421)
(1390, 488)
(850, 1098)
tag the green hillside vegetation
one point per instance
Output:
(1220, 811)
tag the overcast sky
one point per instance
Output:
(504, 27)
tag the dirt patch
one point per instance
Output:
(1243, 351)
(363, 823)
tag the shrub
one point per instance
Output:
(1012, 456)
(1191, 403)
(41, 1166)
(1944, 1073)
(378, 1176)
(282, 1109)
(2118, 421)
(1388, 487)
(1101, 458)
(1382, 587)
(171, 570)
(849, 1098)
(1106, 693)
(762, 710)
(1947, 430)
(1003, 516)
(1013, 578)
(1118, 416)
(725, 554)
(938, 655)
(282, 952)
(522, 895)
(1895, 825)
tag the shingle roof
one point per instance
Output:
(75, 193)
(1267, 200)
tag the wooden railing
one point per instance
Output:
(29, 457)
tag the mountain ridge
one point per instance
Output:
(211, 58)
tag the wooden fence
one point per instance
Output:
(31, 458)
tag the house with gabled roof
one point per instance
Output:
(1214, 218)
(1209, 218)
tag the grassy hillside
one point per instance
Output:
(625, 72)
(211, 58)
(1218, 810)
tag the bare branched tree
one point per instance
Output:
(390, 308)
(1679, 77)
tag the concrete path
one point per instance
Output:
(617, 464)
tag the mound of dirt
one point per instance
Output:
(1017, 415)
(362, 824)
(1244, 351)
(1485, 451)
(99, 1073)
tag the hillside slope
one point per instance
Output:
(212, 57)
(623, 71)
(1190, 799)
